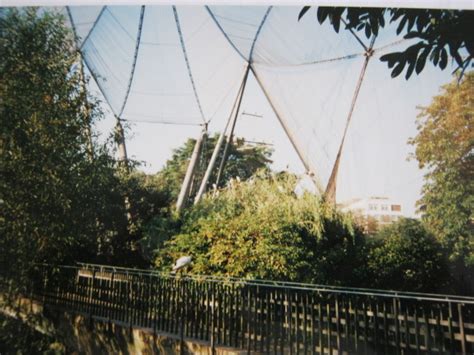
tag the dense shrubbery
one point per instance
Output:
(243, 160)
(405, 256)
(261, 229)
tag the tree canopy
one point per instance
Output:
(58, 203)
(407, 257)
(45, 168)
(441, 33)
(444, 147)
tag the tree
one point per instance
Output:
(57, 205)
(440, 32)
(444, 147)
(261, 229)
(407, 258)
(243, 160)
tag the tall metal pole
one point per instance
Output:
(330, 192)
(293, 140)
(120, 138)
(185, 187)
(215, 153)
(231, 133)
(123, 160)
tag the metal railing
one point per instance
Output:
(261, 315)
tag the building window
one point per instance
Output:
(384, 207)
(372, 207)
(396, 208)
(386, 218)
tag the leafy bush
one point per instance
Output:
(407, 257)
(261, 229)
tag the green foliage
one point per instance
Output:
(243, 160)
(157, 231)
(444, 146)
(59, 203)
(407, 257)
(45, 168)
(260, 229)
(148, 199)
(442, 33)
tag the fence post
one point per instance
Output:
(213, 306)
(249, 306)
(290, 316)
(396, 303)
(452, 342)
(182, 315)
(461, 329)
(91, 290)
(112, 299)
(129, 289)
(338, 320)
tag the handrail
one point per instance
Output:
(256, 314)
(419, 296)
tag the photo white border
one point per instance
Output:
(435, 4)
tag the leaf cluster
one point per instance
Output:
(441, 34)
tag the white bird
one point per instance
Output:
(181, 263)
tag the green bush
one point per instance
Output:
(261, 229)
(406, 257)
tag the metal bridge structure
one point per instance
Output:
(261, 316)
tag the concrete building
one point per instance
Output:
(374, 212)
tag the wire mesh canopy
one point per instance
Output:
(185, 65)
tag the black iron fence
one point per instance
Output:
(263, 316)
